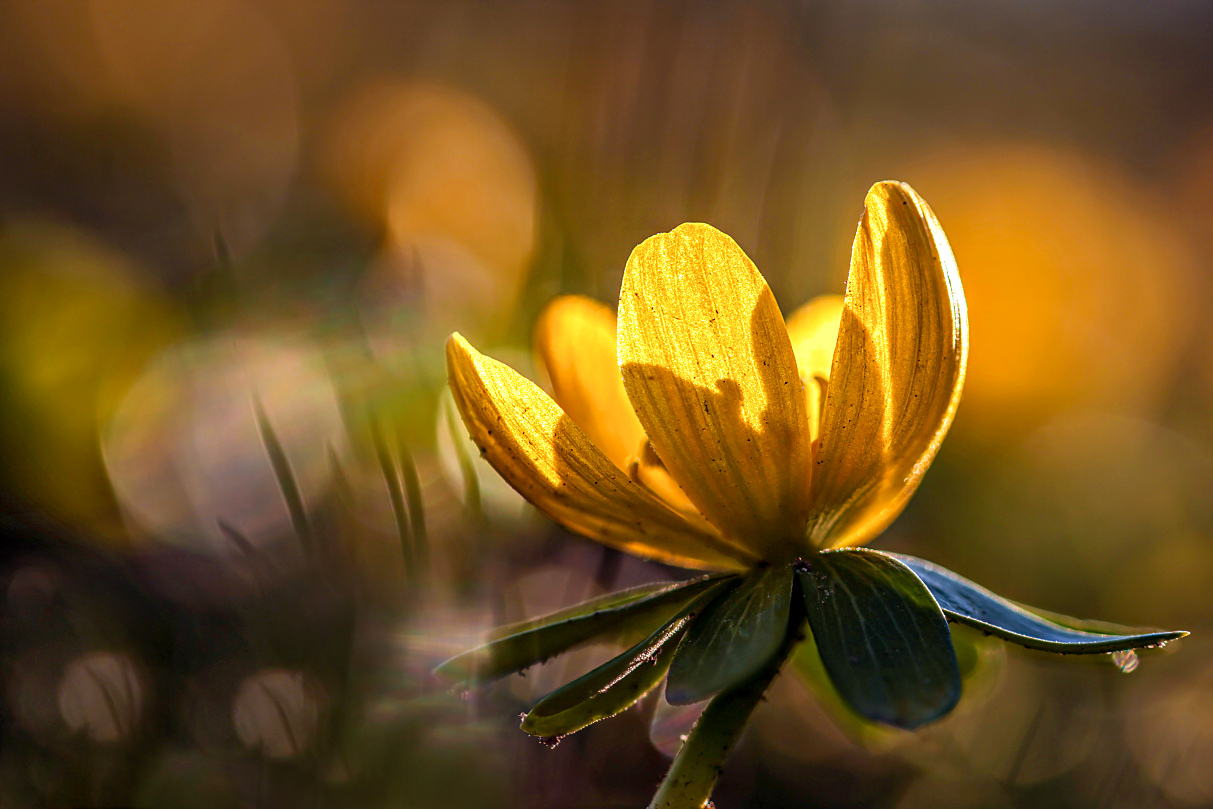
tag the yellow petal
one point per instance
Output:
(897, 373)
(575, 340)
(814, 331)
(550, 461)
(647, 469)
(708, 367)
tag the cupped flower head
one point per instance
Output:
(703, 431)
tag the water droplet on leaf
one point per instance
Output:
(1125, 660)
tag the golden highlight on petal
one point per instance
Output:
(897, 371)
(550, 461)
(813, 329)
(575, 340)
(709, 368)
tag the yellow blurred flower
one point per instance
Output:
(1090, 309)
(454, 189)
(78, 325)
(708, 434)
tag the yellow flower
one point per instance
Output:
(707, 433)
(703, 431)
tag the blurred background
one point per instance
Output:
(240, 527)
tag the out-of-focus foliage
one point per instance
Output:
(77, 324)
(184, 452)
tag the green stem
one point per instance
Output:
(395, 491)
(700, 760)
(412, 493)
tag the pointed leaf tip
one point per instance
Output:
(972, 604)
(617, 684)
(520, 646)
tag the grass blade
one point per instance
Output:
(412, 494)
(287, 483)
(395, 491)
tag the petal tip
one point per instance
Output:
(689, 232)
(457, 349)
(561, 313)
(695, 227)
(888, 191)
(565, 303)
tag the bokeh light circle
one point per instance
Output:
(1079, 286)
(185, 450)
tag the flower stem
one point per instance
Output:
(700, 760)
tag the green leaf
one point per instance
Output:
(531, 642)
(978, 657)
(689, 782)
(619, 598)
(882, 638)
(972, 604)
(733, 638)
(614, 686)
(976, 652)
(805, 661)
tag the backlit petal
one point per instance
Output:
(550, 461)
(647, 469)
(897, 372)
(814, 331)
(575, 339)
(708, 366)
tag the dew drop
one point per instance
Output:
(1125, 660)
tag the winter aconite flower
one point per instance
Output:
(708, 434)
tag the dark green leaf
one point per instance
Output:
(881, 637)
(531, 642)
(692, 776)
(615, 685)
(733, 638)
(619, 598)
(806, 663)
(972, 604)
(977, 655)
